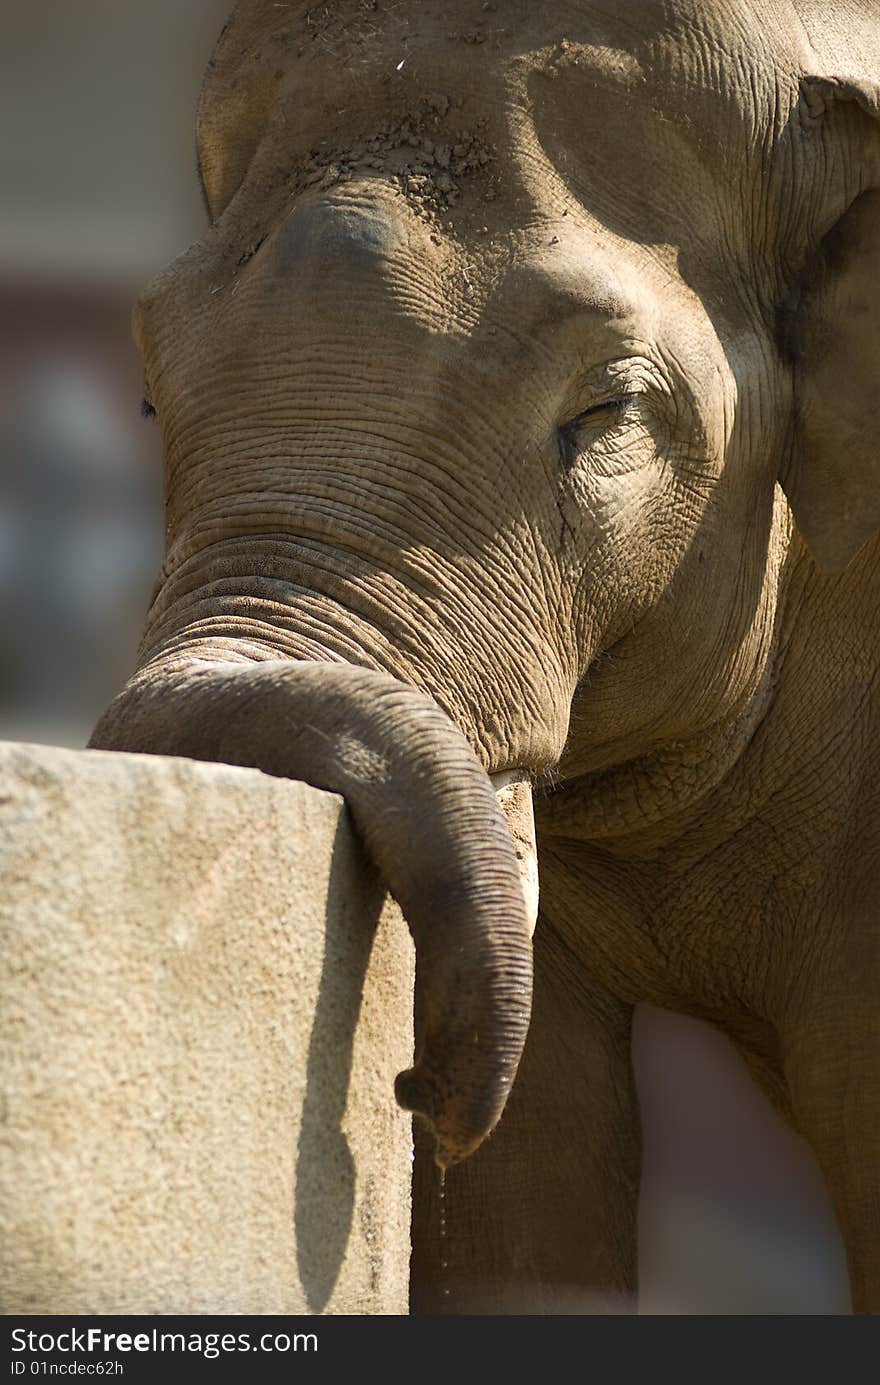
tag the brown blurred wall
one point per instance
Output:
(99, 190)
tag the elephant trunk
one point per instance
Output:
(429, 817)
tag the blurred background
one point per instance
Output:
(99, 190)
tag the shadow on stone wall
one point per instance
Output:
(323, 1152)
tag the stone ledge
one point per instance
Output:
(200, 1026)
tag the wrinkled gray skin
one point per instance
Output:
(520, 414)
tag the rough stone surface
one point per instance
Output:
(200, 1026)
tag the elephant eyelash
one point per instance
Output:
(568, 433)
(608, 406)
(147, 408)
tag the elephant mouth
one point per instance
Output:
(513, 791)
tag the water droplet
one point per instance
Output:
(444, 1259)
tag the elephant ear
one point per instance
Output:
(832, 477)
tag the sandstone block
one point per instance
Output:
(204, 999)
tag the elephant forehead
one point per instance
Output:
(336, 61)
(337, 234)
(480, 113)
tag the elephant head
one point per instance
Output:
(477, 398)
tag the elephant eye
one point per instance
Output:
(596, 420)
(148, 409)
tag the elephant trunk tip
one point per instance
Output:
(457, 1127)
(417, 1092)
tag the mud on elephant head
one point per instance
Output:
(518, 335)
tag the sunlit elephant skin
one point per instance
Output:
(520, 415)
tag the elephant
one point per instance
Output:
(519, 410)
